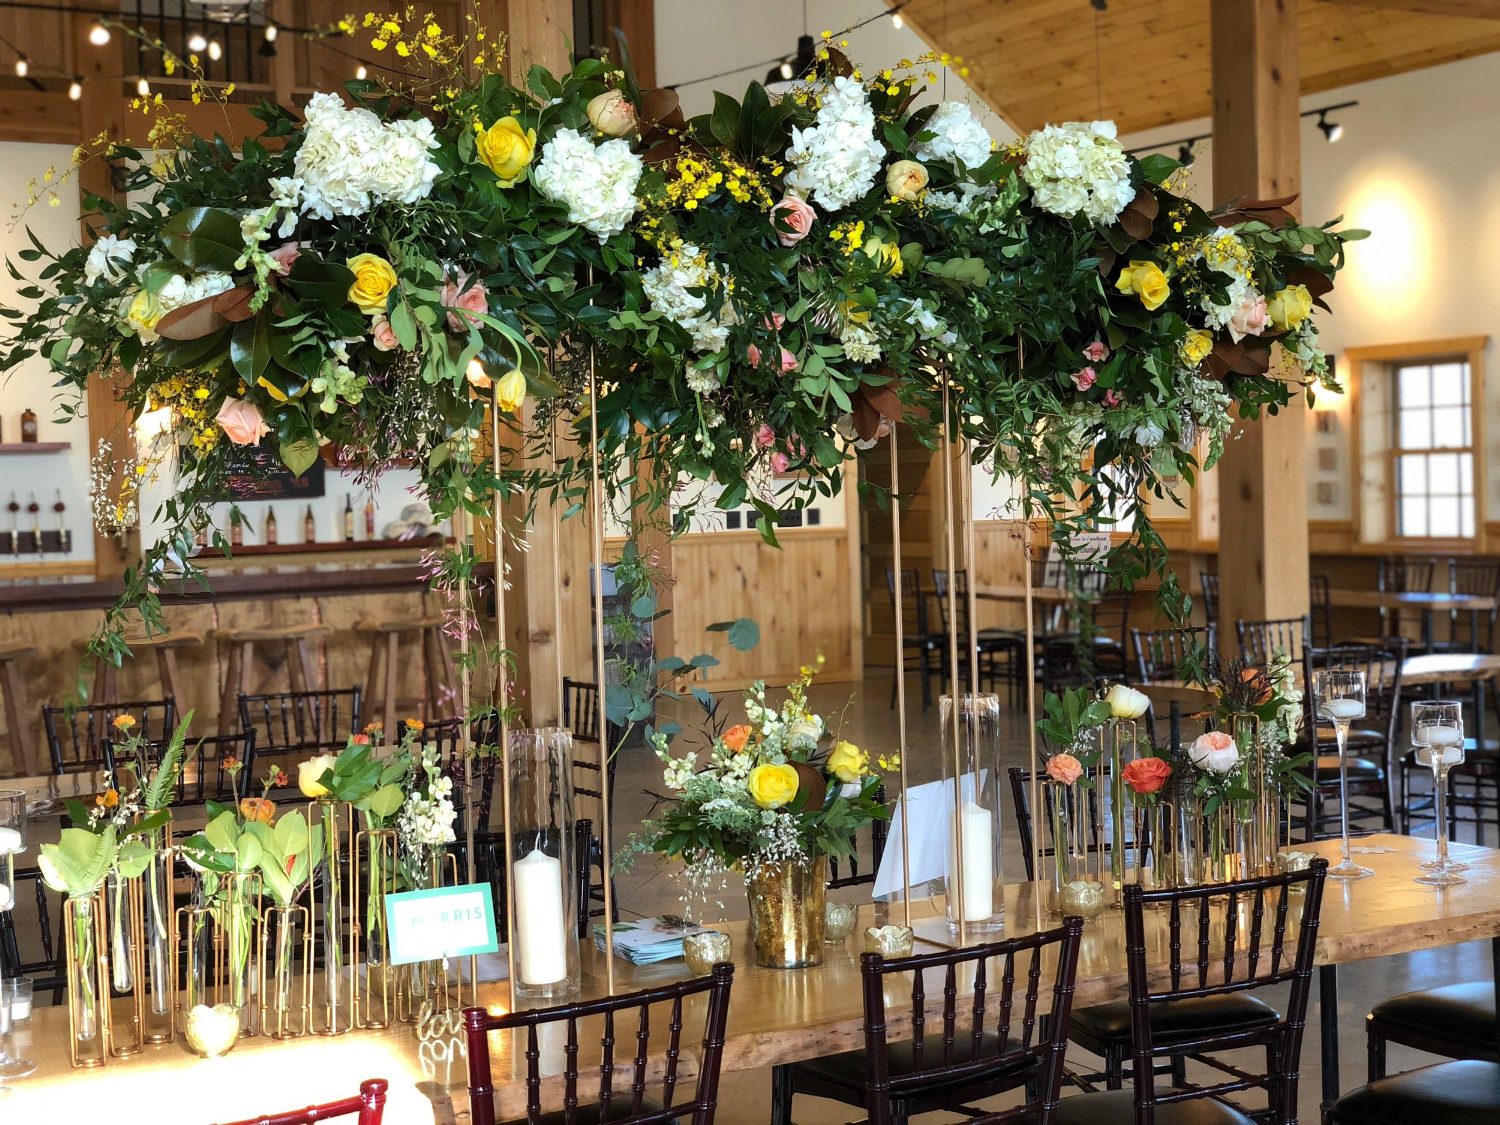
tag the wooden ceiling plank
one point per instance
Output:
(1466, 9)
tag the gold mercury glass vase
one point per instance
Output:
(787, 912)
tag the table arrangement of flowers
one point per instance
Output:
(756, 290)
(772, 798)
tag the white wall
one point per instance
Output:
(30, 384)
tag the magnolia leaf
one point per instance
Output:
(204, 238)
(193, 321)
(299, 456)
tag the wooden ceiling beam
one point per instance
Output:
(1467, 9)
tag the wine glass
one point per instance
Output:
(12, 844)
(1340, 695)
(1437, 732)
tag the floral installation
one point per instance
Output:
(778, 281)
(782, 786)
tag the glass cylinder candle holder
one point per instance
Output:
(543, 895)
(1437, 733)
(1339, 698)
(703, 951)
(974, 883)
(12, 842)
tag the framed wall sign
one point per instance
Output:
(258, 474)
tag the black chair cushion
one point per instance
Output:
(1360, 769)
(1462, 1015)
(1118, 1106)
(1174, 1019)
(1450, 1093)
(842, 1076)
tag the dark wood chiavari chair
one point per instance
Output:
(1320, 606)
(581, 716)
(924, 650)
(43, 965)
(1261, 640)
(1174, 654)
(1208, 583)
(291, 726)
(203, 776)
(879, 833)
(368, 1104)
(1456, 1021)
(484, 762)
(76, 736)
(1224, 942)
(995, 1039)
(1001, 652)
(624, 1107)
(1472, 630)
(1397, 576)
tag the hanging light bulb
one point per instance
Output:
(22, 67)
(197, 42)
(896, 21)
(271, 32)
(360, 72)
(786, 69)
(142, 87)
(215, 50)
(98, 34)
(75, 90)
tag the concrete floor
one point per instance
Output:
(745, 1099)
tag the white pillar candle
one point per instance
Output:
(541, 929)
(977, 824)
(10, 841)
(7, 898)
(1342, 709)
(20, 1008)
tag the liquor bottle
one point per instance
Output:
(28, 425)
(236, 530)
(348, 518)
(369, 515)
(271, 527)
(309, 527)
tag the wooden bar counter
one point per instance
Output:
(775, 1016)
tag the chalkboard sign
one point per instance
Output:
(257, 474)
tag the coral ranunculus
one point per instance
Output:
(506, 149)
(772, 786)
(737, 737)
(374, 278)
(1064, 768)
(1146, 775)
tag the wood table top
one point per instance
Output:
(1402, 599)
(1018, 593)
(774, 1016)
(1449, 667)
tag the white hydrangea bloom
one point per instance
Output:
(836, 161)
(667, 286)
(1148, 435)
(596, 182)
(957, 137)
(349, 160)
(109, 258)
(1078, 168)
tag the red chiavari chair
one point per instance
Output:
(369, 1104)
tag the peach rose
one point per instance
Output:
(611, 113)
(1249, 316)
(1146, 775)
(765, 437)
(792, 220)
(383, 336)
(905, 180)
(241, 422)
(474, 299)
(737, 737)
(1084, 378)
(1064, 768)
(1097, 352)
(788, 360)
(285, 256)
(1215, 752)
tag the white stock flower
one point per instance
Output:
(108, 258)
(957, 137)
(836, 161)
(860, 344)
(596, 182)
(349, 160)
(668, 284)
(1078, 168)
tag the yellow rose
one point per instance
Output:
(1146, 281)
(310, 774)
(772, 786)
(1289, 307)
(848, 762)
(373, 281)
(1196, 345)
(905, 179)
(141, 313)
(886, 255)
(510, 391)
(506, 149)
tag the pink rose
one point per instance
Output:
(775, 321)
(1064, 768)
(779, 462)
(1097, 352)
(788, 361)
(752, 356)
(285, 256)
(1084, 379)
(241, 422)
(1112, 399)
(474, 299)
(765, 437)
(383, 336)
(1249, 316)
(792, 220)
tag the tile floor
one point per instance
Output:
(745, 1096)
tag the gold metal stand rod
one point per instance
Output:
(956, 867)
(502, 684)
(596, 543)
(897, 596)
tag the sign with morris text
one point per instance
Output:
(441, 922)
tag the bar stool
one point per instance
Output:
(385, 663)
(15, 705)
(300, 666)
(165, 646)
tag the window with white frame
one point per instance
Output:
(1432, 449)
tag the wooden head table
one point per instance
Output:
(775, 1016)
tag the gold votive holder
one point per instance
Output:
(703, 951)
(1083, 898)
(838, 922)
(1290, 861)
(889, 941)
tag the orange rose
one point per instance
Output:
(1146, 775)
(123, 723)
(262, 809)
(1250, 676)
(737, 738)
(1064, 768)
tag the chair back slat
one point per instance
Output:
(1174, 654)
(643, 1109)
(1260, 640)
(1405, 576)
(1208, 581)
(1035, 1065)
(203, 776)
(291, 725)
(77, 737)
(368, 1105)
(39, 956)
(916, 615)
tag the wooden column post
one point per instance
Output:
(1263, 540)
(102, 111)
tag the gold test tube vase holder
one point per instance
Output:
(334, 902)
(140, 953)
(428, 990)
(377, 987)
(285, 971)
(218, 936)
(86, 949)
